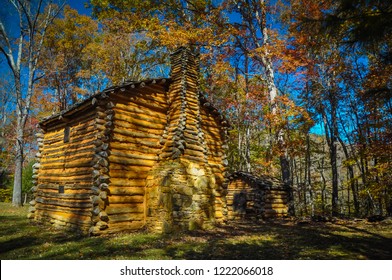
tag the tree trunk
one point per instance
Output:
(335, 182)
(247, 150)
(331, 133)
(17, 192)
(308, 174)
(351, 178)
(324, 181)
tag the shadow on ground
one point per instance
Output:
(267, 240)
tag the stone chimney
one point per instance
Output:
(184, 129)
(180, 188)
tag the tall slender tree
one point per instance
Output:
(22, 51)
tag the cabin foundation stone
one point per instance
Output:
(180, 196)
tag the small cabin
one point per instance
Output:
(147, 154)
(252, 197)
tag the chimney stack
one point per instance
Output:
(184, 120)
(181, 189)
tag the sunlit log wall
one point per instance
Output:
(252, 198)
(139, 123)
(63, 172)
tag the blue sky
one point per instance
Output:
(80, 6)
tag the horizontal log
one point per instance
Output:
(63, 202)
(191, 127)
(135, 134)
(65, 181)
(195, 147)
(214, 158)
(125, 112)
(215, 145)
(211, 124)
(100, 114)
(61, 172)
(87, 142)
(64, 217)
(124, 209)
(208, 117)
(128, 155)
(216, 154)
(73, 187)
(196, 159)
(154, 143)
(192, 136)
(129, 161)
(83, 137)
(126, 190)
(150, 92)
(152, 105)
(68, 153)
(212, 138)
(59, 133)
(53, 141)
(50, 208)
(153, 129)
(64, 178)
(69, 196)
(124, 199)
(114, 182)
(213, 135)
(194, 153)
(126, 217)
(83, 181)
(216, 163)
(121, 174)
(126, 168)
(84, 127)
(62, 163)
(135, 148)
(71, 157)
(124, 227)
(141, 113)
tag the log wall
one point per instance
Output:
(243, 200)
(138, 123)
(63, 173)
(215, 137)
(250, 197)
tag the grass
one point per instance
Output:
(22, 239)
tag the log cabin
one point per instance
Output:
(252, 197)
(140, 155)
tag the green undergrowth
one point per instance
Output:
(343, 239)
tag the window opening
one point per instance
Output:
(66, 134)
